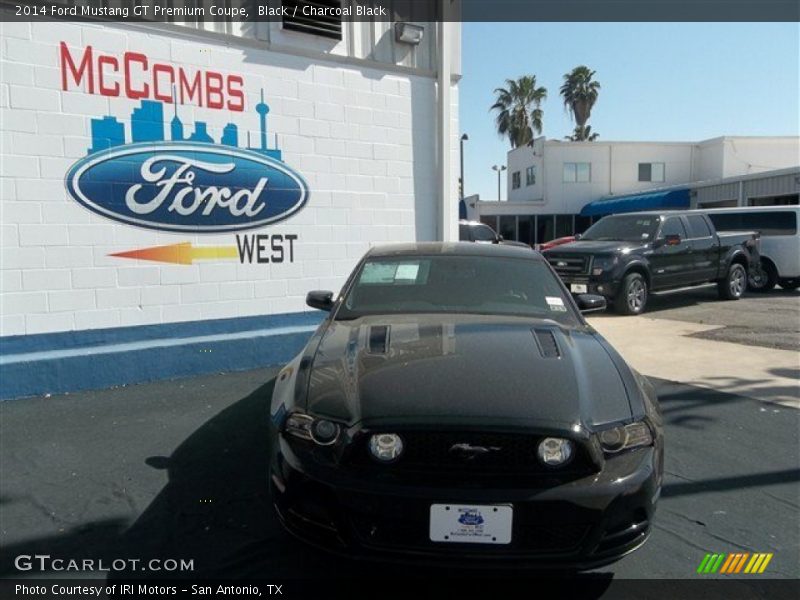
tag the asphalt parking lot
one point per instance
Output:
(769, 320)
(177, 469)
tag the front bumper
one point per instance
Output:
(582, 524)
(602, 286)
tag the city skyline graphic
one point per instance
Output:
(147, 124)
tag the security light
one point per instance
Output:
(408, 33)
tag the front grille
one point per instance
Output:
(445, 453)
(569, 264)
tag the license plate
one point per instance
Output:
(577, 288)
(471, 523)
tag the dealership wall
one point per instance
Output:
(362, 138)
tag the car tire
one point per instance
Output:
(789, 284)
(632, 295)
(733, 285)
(764, 279)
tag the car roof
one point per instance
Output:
(453, 248)
(651, 213)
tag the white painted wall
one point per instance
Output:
(615, 168)
(362, 137)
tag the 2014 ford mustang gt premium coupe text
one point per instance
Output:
(455, 406)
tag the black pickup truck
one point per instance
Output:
(624, 257)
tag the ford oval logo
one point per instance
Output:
(187, 187)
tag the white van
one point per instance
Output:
(780, 241)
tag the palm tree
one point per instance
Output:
(580, 93)
(582, 135)
(519, 112)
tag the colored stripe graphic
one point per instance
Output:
(734, 563)
(764, 564)
(703, 563)
(728, 563)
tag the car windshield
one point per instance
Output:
(456, 284)
(628, 228)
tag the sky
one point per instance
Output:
(660, 82)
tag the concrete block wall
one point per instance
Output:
(363, 139)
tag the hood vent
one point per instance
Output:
(378, 339)
(547, 343)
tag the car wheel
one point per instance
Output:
(734, 284)
(763, 279)
(632, 295)
(790, 284)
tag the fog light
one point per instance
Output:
(555, 451)
(386, 447)
(324, 432)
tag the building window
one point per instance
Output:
(515, 180)
(545, 228)
(525, 229)
(651, 171)
(530, 176)
(326, 24)
(582, 223)
(490, 220)
(577, 172)
(508, 227)
(564, 226)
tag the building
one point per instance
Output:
(290, 148)
(557, 188)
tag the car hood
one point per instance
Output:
(466, 369)
(592, 247)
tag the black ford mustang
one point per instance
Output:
(454, 406)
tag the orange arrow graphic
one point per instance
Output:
(182, 254)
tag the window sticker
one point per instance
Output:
(407, 271)
(555, 303)
(381, 273)
(375, 272)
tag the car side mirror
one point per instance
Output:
(672, 239)
(321, 299)
(577, 236)
(590, 303)
(499, 239)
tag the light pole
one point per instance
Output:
(464, 138)
(499, 169)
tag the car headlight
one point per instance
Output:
(306, 427)
(386, 447)
(555, 452)
(623, 437)
(601, 264)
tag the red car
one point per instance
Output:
(556, 242)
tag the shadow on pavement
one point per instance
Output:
(215, 511)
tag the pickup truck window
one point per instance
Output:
(622, 228)
(698, 228)
(483, 233)
(768, 223)
(673, 226)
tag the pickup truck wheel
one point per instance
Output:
(632, 295)
(734, 284)
(763, 279)
(789, 284)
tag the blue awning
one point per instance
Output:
(671, 199)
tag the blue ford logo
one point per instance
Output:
(471, 517)
(187, 186)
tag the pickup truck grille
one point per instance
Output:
(569, 265)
